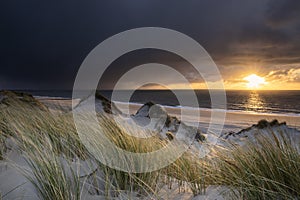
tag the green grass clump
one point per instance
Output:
(191, 171)
(2, 146)
(47, 142)
(187, 170)
(267, 168)
(52, 177)
(20, 121)
(46, 139)
(143, 183)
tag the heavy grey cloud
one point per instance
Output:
(44, 42)
(283, 13)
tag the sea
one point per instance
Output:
(285, 102)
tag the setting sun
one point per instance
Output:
(254, 81)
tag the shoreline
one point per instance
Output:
(202, 109)
(233, 121)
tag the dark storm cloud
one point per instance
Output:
(136, 58)
(283, 13)
(43, 43)
(273, 39)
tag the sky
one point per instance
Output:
(43, 43)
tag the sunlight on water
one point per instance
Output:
(255, 103)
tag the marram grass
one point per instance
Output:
(50, 144)
(265, 169)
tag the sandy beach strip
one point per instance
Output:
(234, 119)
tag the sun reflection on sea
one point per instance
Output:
(255, 103)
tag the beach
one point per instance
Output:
(234, 121)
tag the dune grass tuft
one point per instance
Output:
(51, 175)
(50, 145)
(2, 146)
(267, 168)
(191, 171)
